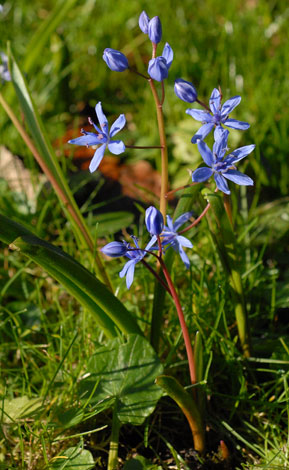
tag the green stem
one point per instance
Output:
(114, 438)
(84, 234)
(164, 150)
(182, 321)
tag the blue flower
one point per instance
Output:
(155, 30)
(115, 60)
(4, 71)
(135, 255)
(143, 22)
(115, 249)
(185, 90)
(102, 137)
(154, 221)
(219, 116)
(220, 166)
(158, 68)
(170, 236)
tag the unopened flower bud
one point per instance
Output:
(158, 69)
(185, 90)
(154, 221)
(114, 249)
(143, 22)
(155, 30)
(115, 60)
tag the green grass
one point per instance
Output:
(46, 337)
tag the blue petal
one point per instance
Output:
(234, 124)
(241, 152)
(158, 69)
(170, 223)
(184, 257)
(215, 101)
(128, 271)
(97, 157)
(238, 178)
(221, 133)
(151, 243)
(183, 241)
(229, 105)
(202, 132)
(116, 147)
(221, 183)
(118, 125)
(143, 22)
(101, 118)
(200, 115)
(221, 140)
(168, 54)
(201, 174)
(87, 139)
(206, 153)
(181, 220)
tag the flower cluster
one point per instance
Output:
(167, 236)
(215, 117)
(158, 67)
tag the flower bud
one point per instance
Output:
(115, 60)
(168, 54)
(155, 30)
(143, 22)
(154, 221)
(158, 69)
(185, 90)
(114, 249)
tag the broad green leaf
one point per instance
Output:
(73, 458)
(19, 408)
(110, 313)
(125, 372)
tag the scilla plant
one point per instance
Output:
(119, 376)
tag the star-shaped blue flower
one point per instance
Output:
(170, 236)
(135, 256)
(102, 137)
(220, 166)
(219, 116)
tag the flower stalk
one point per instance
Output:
(164, 149)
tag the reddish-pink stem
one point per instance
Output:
(197, 220)
(185, 331)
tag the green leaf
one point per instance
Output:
(110, 313)
(188, 406)
(19, 408)
(140, 463)
(73, 458)
(112, 222)
(226, 244)
(125, 372)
